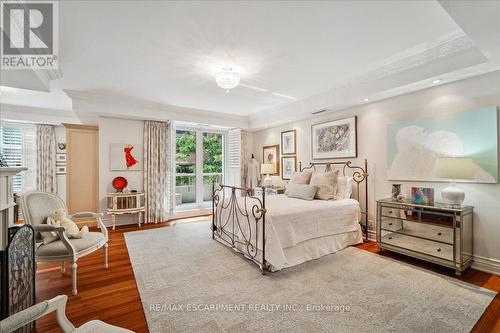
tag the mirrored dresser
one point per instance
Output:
(437, 233)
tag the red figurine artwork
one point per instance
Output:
(130, 160)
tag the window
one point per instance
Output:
(18, 146)
(199, 163)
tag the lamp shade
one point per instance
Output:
(267, 169)
(454, 168)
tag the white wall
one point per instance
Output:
(114, 130)
(372, 121)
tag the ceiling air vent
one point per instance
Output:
(319, 112)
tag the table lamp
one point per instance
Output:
(454, 168)
(268, 169)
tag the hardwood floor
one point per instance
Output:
(112, 296)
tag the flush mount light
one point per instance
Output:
(227, 78)
(436, 81)
(366, 100)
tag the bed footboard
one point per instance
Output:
(239, 221)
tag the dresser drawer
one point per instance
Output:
(393, 212)
(416, 229)
(392, 224)
(428, 247)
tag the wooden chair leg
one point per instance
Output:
(63, 268)
(73, 278)
(106, 265)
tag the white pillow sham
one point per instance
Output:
(344, 188)
(301, 191)
(327, 184)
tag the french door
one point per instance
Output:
(199, 159)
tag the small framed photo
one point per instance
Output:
(271, 155)
(60, 169)
(422, 196)
(288, 167)
(288, 142)
(60, 158)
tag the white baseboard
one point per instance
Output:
(487, 265)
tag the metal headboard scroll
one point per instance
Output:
(238, 227)
(359, 175)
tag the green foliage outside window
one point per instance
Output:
(186, 157)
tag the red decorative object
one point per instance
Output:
(129, 159)
(119, 183)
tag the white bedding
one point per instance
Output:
(292, 222)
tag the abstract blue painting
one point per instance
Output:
(414, 145)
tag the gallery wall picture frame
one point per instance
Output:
(289, 142)
(271, 155)
(288, 167)
(335, 139)
(61, 158)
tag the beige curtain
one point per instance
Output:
(158, 164)
(46, 159)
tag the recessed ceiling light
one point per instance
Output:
(366, 100)
(436, 81)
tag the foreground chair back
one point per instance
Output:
(36, 207)
(57, 304)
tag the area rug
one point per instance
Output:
(191, 283)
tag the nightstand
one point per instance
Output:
(437, 233)
(269, 190)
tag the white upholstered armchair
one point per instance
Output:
(36, 207)
(57, 304)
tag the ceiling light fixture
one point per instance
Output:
(436, 81)
(366, 100)
(227, 78)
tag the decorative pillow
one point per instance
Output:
(327, 184)
(303, 177)
(301, 191)
(344, 188)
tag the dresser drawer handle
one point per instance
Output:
(439, 250)
(439, 233)
(390, 223)
(390, 237)
(390, 212)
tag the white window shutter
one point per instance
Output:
(18, 146)
(234, 148)
(233, 158)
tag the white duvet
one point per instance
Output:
(294, 222)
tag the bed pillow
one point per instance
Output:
(344, 188)
(303, 177)
(327, 184)
(301, 191)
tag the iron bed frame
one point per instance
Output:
(240, 212)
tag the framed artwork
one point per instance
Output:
(288, 167)
(271, 155)
(60, 169)
(413, 146)
(60, 158)
(334, 139)
(288, 142)
(422, 195)
(125, 156)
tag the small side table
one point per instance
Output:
(120, 203)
